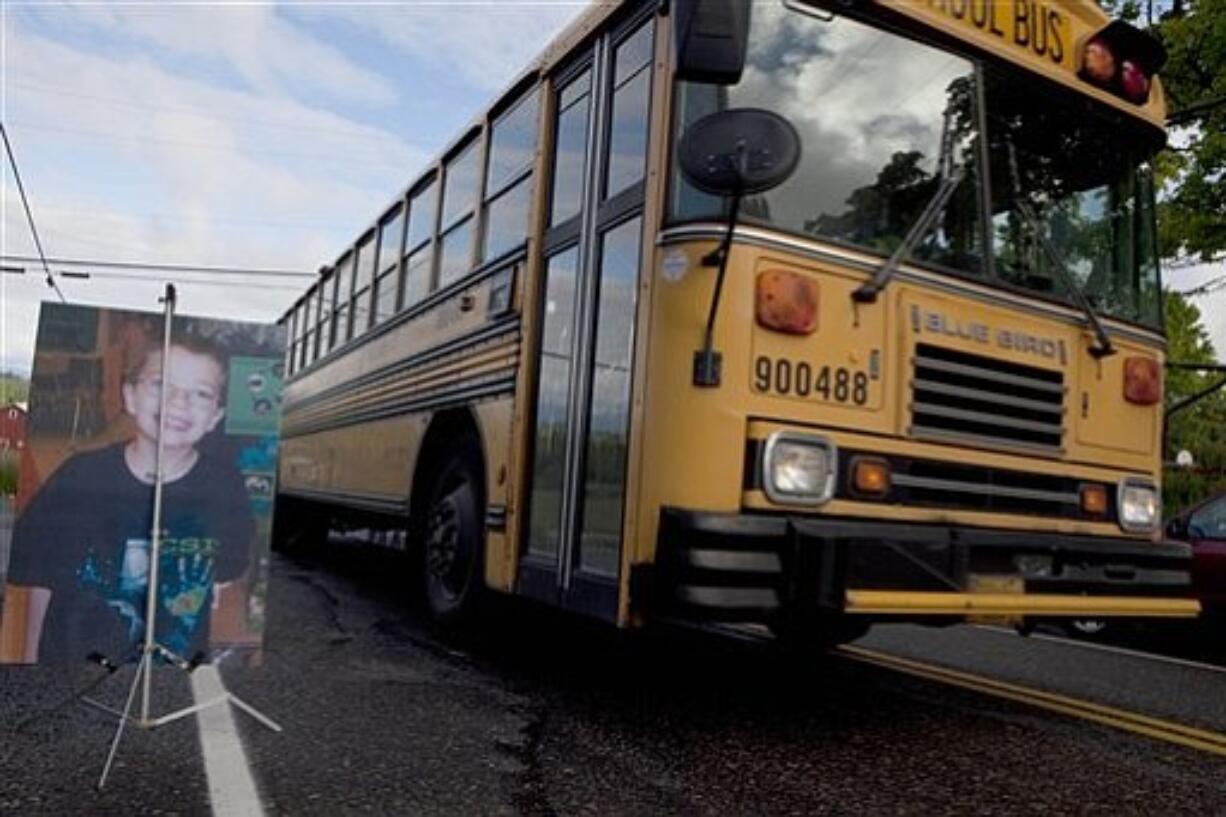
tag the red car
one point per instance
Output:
(1204, 527)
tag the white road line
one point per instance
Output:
(232, 790)
(1090, 645)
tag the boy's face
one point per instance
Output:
(193, 402)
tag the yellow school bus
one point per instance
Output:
(799, 313)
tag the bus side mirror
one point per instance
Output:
(711, 38)
(732, 153)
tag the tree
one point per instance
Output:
(1192, 215)
(1201, 427)
(1191, 174)
(13, 389)
(1192, 170)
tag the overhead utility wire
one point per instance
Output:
(159, 279)
(94, 262)
(8, 148)
(1210, 286)
(184, 282)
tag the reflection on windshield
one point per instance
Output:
(1079, 177)
(871, 107)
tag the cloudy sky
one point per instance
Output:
(230, 134)
(244, 134)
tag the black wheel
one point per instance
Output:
(819, 634)
(453, 537)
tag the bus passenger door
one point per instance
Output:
(577, 477)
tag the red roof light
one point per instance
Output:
(1134, 81)
(1098, 61)
(1123, 60)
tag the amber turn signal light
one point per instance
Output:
(870, 476)
(786, 302)
(1094, 500)
(1142, 381)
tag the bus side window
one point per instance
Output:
(459, 197)
(318, 321)
(326, 291)
(364, 266)
(334, 285)
(308, 320)
(391, 243)
(304, 317)
(419, 252)
(292, 342)
(508, 178)
(344, 288)
(628, 126)
(570, 148)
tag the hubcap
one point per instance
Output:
(443, 559)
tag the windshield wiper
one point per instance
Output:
(1104, 347)
(867, 292)
(1023, 208)
(951, 175)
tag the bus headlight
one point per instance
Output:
(1140, 506)
(799, 469)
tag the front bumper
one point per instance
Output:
(749, 567)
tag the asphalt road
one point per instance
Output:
(541, 714)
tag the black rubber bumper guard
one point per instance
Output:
(756, 568)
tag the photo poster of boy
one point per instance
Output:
(78, 572)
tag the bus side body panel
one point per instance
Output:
(353, 426)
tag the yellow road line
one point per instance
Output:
(1176, 733)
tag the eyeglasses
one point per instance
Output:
(194, 396)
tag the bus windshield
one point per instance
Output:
(873, 110)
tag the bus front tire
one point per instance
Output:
(818, 635)
(453, 538)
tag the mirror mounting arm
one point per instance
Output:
(732, 153)
(707, 360)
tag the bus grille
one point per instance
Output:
(934, 484)
(974, 399)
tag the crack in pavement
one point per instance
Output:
(530, 796)
(332, 606)
(397, 629)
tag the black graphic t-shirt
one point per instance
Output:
(85, 537)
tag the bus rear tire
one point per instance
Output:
(453, 537)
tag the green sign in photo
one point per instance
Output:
(254, 400)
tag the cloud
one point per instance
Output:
(856, 95)
(231, 135)
(255, 43)
(129, 153)
(118, 236)
(487, 44)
